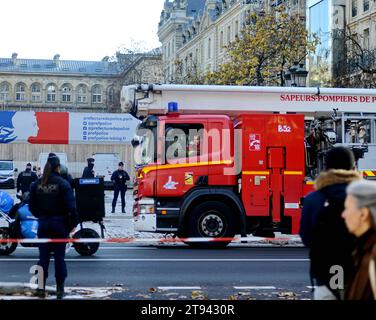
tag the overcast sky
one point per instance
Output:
(77, 29)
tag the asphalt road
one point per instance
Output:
(171, 272)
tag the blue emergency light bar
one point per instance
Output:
(173, 107)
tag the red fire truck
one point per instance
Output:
(216, 161)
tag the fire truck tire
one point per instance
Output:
(7, 247)
(211, 219)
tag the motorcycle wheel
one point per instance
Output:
(7, 247)
(86, 249)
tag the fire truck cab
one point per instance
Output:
(215, 161)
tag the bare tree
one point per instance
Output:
(355, 62)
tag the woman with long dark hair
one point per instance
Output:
(52, 202)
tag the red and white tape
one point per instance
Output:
(139, 240)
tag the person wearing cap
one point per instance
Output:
(330, 191)
(25, 179)
(119, 178)
(64, 173)
(89, 170)
(360, 219)
(52, 202)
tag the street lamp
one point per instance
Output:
(287, 77)
(301, 76)
(296, 76)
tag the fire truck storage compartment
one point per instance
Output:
(90, 199)
(273, 164)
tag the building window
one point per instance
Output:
(354, 8)
(66, 93)
(51, 93)
(366, 38)
(4, 92)
(365, 5)
(97, 94)
(111, 95)
(228, 34)
(36, 95)
(236, 28)
(20, 92)
(82, 94)
(209, 48)
(221, 42)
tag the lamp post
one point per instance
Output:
(296, 76)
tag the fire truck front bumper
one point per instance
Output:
(144, 215)
(145, 222)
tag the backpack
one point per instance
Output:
(332, 244)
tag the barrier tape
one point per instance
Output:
(137, 240)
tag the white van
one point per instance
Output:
(104, 165)
(7, 174)
(42, 159)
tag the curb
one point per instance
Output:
(17, 287)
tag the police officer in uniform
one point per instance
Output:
(53, 203)
(119, 177)
(25, 179)
(89, 170)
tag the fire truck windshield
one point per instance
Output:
(144, 144)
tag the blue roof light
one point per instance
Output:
(173, 107)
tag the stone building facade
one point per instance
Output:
(35, 84)
(74, 86)
(193, 33)
(145, 68)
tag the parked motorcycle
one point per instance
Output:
(22, 225)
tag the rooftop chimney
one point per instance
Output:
(56, 60)
(105, 61)
(14, 58)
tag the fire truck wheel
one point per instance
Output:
(6, 247)
(211, 219)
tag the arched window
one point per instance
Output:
(111, 95)
(4, 91)
(82, 94)
(36, 92)
(51, 93)
(20, 91)
(66, 93)
(97, 94)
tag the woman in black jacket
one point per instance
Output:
(52, 202)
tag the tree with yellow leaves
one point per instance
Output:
(266, 47)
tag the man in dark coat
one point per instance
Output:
(89, 170)
(25, 179)
(119, 178)
(330, 188)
